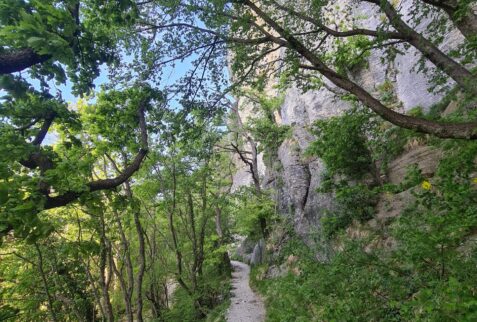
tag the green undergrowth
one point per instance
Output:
(429, 275)
(219, 313)
(185, 309)
(419, 266)
(207, 298)
(357, 148)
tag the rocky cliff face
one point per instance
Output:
(295, 177)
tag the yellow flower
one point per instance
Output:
(474, 180)
(426, 185)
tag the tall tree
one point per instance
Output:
(57, 41)
(255, 31)
(47, 181)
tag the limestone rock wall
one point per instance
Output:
(295, 177)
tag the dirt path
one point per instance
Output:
(245, 306)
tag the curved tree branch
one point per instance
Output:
(453, 69)
(250, 41)
(44, 129)
(104, 184)
(462, 76)
(442, 130)
(38, 159)
(464, 20)
(253, 162)
(18, 60)
(336, 33)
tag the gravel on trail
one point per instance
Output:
(245, 306)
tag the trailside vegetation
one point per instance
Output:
(123, 124)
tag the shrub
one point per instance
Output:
(341, 144)
(250, 209)
(429, 275)
(353, 203)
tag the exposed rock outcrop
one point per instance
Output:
(258, 253)
(296, 177)
(424, 157)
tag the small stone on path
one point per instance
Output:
(246, 306)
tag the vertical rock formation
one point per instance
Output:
(294, 176)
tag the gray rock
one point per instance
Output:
(295, 177)
(391, 206)
(302, 177)
(245, 247)
(246, 258)
(275, 271)
(301, 109)
(426, 158)
(296, 174)
(258, 253)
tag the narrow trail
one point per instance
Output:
(245, 306)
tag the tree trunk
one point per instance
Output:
(141, 256)
(195, 250)
(172, 228)
(102, 269)
(45, 284)
(86, 265)
(253, 164)
(127, 287)
(124, 289)
(224, 266)
(465, 21)
(142, 265)
(218, 223)
(97, 297)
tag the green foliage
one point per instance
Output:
(78, 40)
(158, 228)
(428, 275)
(65, 277)
(356, 143)
(99, 237)
(349, 53)
(7, 312)
(250, 209)
(83, 135)
(388, 95)
(219, 314)
(354, 202)
(269, 134)
(265, 129)
(185, 309)
(412, 178)
(358, 147)
(341, 143)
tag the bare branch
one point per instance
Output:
(251, 41)
(336, 33)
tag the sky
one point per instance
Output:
(171, 75)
